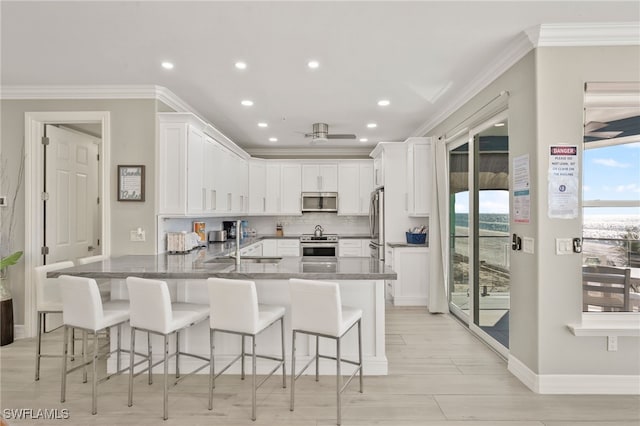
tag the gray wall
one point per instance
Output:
(561, 75)
(546, 108)
(519, 80)
(133, 140)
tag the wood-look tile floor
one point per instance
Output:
(439, 374)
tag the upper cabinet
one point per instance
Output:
(198, 175)
(257, 186)
(274, 187)
(355, 183)
(419, 176)
(290, 189)
(319, 177)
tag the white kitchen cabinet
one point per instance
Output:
(353, 247)
(273, 188)
(288, 248)
(418, 177)
(290, 189)
(181, 169)
(411, 288)
(319, 178)
(257, 187)
(270, 248)
(355, 183)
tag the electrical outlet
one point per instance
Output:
(527, 245)
(137, 235)
(612, 343)
(564, 245)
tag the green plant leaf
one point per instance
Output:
(10, 260)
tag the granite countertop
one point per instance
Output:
(397, 245)
(195, 265)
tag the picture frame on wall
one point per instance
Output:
(131, 183)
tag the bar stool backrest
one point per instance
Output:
(48, 289)
(234, 305)
(90, 259)
(315, 306)
(81, 303)
(150, 304)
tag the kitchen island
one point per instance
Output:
(361, 283)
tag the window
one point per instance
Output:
(611, 196)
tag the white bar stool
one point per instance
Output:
(48, 301)
(235, 310)
(153, 312)
(316, 310)
(83, 309)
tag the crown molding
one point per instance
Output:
(515, 51)
(309, 152)
(586, 34)
(80, 92)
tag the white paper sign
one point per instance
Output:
(563, 182)
(521, 187)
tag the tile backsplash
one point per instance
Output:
(266, 225)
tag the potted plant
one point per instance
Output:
(6, 301)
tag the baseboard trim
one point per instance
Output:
(409, 301)
(19, 332)
(575, 384)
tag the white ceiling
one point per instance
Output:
(418, 55)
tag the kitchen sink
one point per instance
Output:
(246, 259)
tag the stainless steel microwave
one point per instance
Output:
(320, 202)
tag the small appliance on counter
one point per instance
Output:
(230, 227)
(217, 236)
(182, 242)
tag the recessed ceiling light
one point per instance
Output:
(313, 64)
(498, 125)
(372, 125)
(167, 65)
(262, 124)
(241, 65)
(247, 102)
(383, 102)
(273, 139)
(364, 140)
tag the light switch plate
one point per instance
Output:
(564, 246)
(527, 245)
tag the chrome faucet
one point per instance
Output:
(238, 233)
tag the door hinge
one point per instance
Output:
(98, 157)
(44, 196)
(44, 250)
(98, 242)
(98, 200)
(45, 140)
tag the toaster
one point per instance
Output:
(217, 236)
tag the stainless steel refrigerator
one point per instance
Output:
(376, 224)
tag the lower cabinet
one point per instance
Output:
(270, 248)
(412, 266)
(353, 248)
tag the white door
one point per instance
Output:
(72, 218)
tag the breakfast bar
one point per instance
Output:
(361, 283)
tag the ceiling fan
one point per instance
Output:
(320, 133)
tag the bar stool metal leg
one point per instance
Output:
(84, 355)
(94, 375)
(338, 380)
(317, 358)
(38, 344)
(212, 371)
(284, 371)
(242, 360)
(253, 362)
(63, 382)
(360, 350)
(73, 338)
(166, 377)
(293, 368)
(149, 358)
(118, 357)
(132, 354)
(177, 354)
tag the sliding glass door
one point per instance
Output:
(479, 247)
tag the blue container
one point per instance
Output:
(416, 238)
